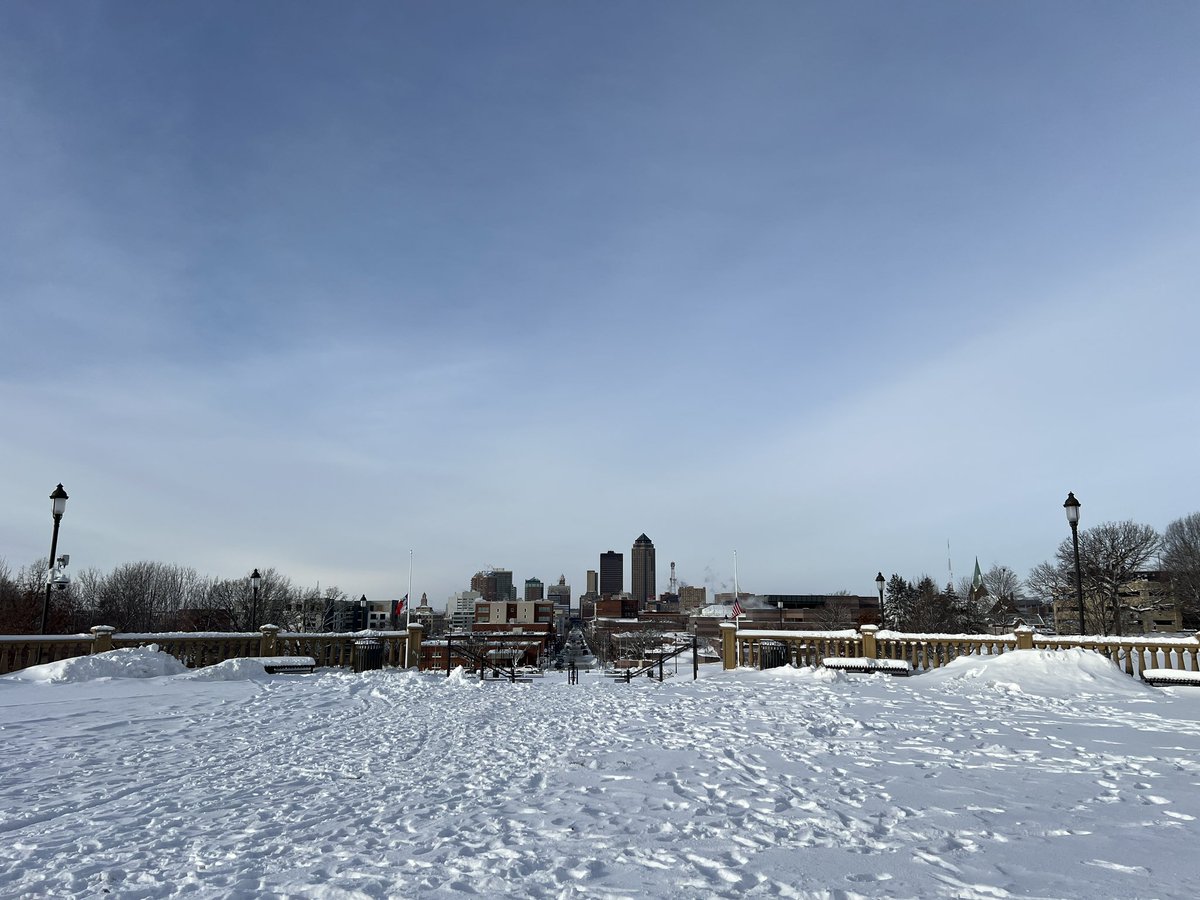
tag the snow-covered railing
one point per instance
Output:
(337, 650)
(194, 648)
(204, 648)
(19, 651)
(1135, 654)
(930, 651)
(762, 648)
(766, 648)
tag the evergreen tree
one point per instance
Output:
(928, 615)
(961, 615)
(898, 598)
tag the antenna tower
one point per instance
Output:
(673, 585)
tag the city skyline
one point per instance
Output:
(310, 287)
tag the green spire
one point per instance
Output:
(977, 581)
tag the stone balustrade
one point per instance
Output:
(1134, 654)
(763, 647)
(195, 649)
(19, 651)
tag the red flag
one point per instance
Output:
(400, 606)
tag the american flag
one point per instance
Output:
(737, 607)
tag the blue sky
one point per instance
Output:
(312, 285)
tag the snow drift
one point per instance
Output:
(130, 662)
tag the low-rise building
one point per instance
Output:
(489, 615)
(1147, 606)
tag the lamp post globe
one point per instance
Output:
(58, 502)
(879, 584)
(1071, 505)
(255, 578)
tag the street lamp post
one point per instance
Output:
(879, 584)
(779, 603)
(58, 505)
(1072, 507)
(255, 578)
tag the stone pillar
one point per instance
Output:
(102, 638)
(268, 642)
(728, 645)
(413, 652)
(1024, 637)
(870, 649)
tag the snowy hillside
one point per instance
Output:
(1032, 774)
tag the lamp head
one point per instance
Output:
(1072, 507)
(58, 502)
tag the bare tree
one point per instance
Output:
(1181, 558)
(1048, 583)
(16, 611)
(145, 596)
(86, 588)
(641, 645)
(276, 597)
(25, 592)
(1109, 555)
(835, 614)
(1004, 584)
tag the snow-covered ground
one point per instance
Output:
(1030, 774)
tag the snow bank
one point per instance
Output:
(1047, 673)
(459, 676)
(129, 662)
(229, 670)
(819, 674)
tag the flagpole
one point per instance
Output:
(737, 599)
(408, 602)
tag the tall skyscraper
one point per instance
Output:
(494, 585)
(644, 587)
(534, 589)
(593, 582)
(612, 573)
